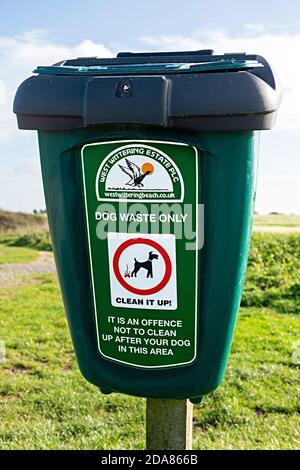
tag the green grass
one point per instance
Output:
(258, 404)
(36, 240)
(273, 273)
(17, 255)
(44, 401)
(46, 404)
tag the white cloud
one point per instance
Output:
(254, 28)
(3, 104)
(20, 54)
(279, 149)
(18, 57)
(280, 49)
(2, 92)
(20, 180)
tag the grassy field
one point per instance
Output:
(28, 230)
(24, 230)
(11, 255)
(19, 222)
(277, 223)
(46, 404)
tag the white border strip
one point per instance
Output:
(168, 366)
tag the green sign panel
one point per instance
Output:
(142, 223)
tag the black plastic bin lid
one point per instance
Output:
(187, 90)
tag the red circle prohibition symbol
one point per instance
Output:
(162, 252)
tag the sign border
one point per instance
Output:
(139, 366)
(160, 249)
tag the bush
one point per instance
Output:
(273, 273)
(36, 240)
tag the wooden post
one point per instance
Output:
(169, 424)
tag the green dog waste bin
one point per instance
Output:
(148, 164)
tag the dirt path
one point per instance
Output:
(12, 273)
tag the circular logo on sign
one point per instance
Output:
(142, 266)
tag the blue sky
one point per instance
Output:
(34, 34)
(120, 23)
